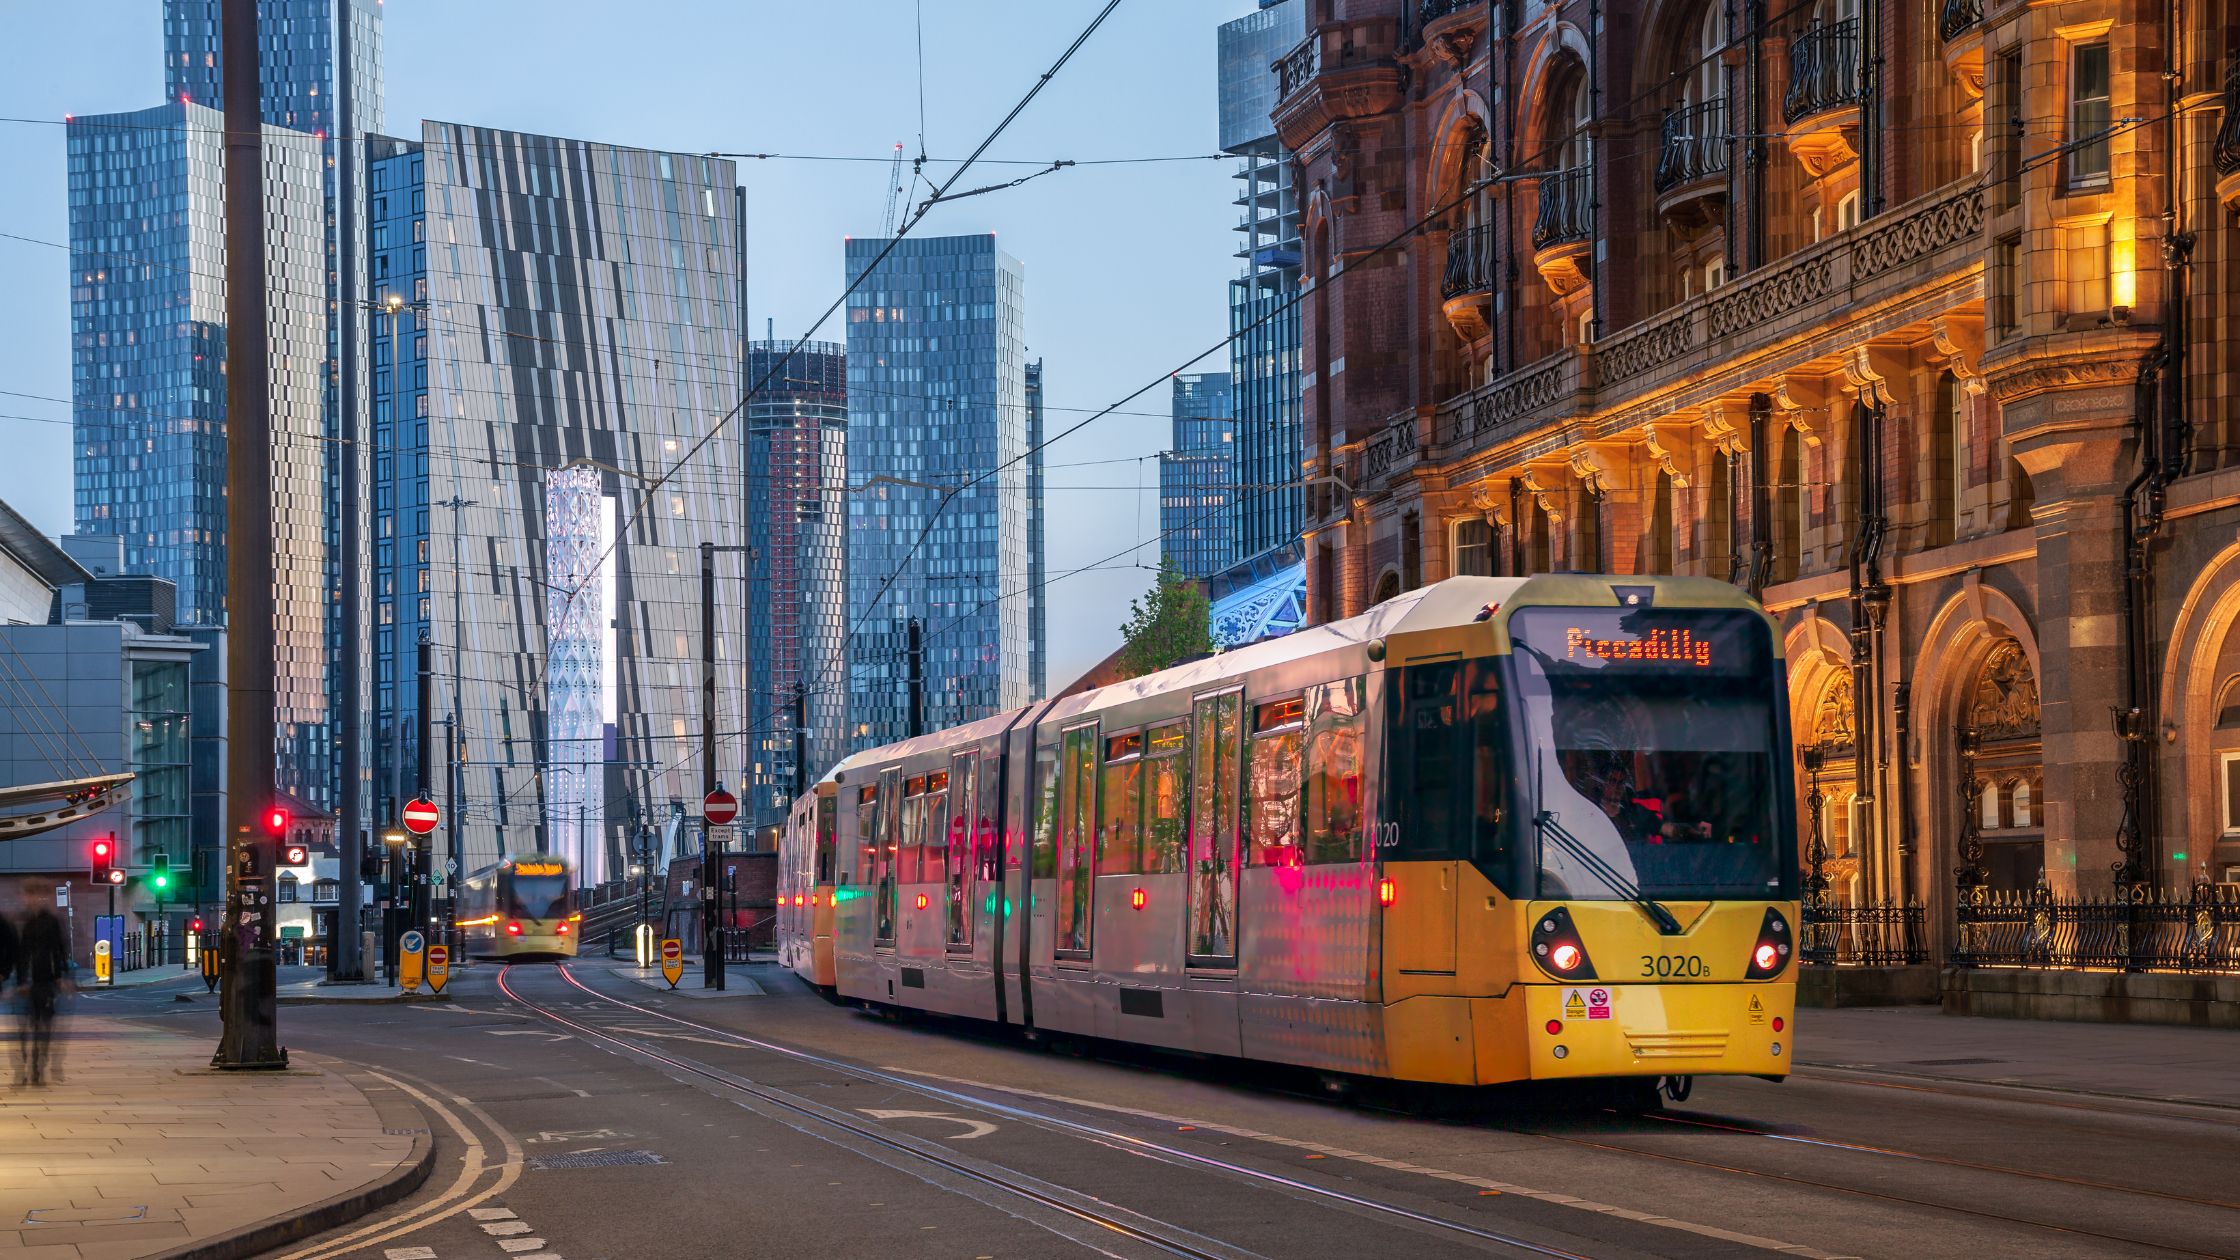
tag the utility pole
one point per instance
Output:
(917, 653)
(711, 849)
(343, 962)
(451, 786)
(251, 1035)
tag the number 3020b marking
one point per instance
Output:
(1672, 965)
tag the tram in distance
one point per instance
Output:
(524, 907)
(1492, 830)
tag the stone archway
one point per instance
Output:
(2199, 673)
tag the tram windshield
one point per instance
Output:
(1648, 761)
(538, 891)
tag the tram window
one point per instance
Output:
(867, 835)
(933, 829)
(1213, 826)
(1077, 812)
(824, 840)
(957, 870)
(986, 850)
(1428, 763)
(1272, 782)
(1333, 806)
(1119, 834)
(1490, 800)
(1045, 860)
(1166, 786)
(906, 849)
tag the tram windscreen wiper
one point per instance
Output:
(1549, 829)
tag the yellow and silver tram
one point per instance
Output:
(523, 907)
(1493, 830)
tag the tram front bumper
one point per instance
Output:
(1589, 1029)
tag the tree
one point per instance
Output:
(1172, 623)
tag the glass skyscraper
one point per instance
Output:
(937, 395)
(1038, 545)
(797, 594)
(1263, 310)
(547, 463)
(148, 354)
(1196, 477)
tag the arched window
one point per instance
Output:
(2024, 800)
(1411, 551)
(287, 886)
(1987, 796)
(1388, 587)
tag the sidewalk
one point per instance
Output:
(144, 1150)
(2152, 1061)
(738, 978)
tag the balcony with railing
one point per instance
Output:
(1466, 288)
(1691, 178)
(2227, 153)
(1390, 450)
(1959, 17)
(1823, 70)
(1432, 10)
(1563, 231)
(1300, 65)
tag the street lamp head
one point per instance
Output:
(392, 302)
(393, 838)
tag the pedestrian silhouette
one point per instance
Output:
(42, 971)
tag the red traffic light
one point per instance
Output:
(104, 849)
(194, 925)
(276, 821)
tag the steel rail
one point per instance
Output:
(1127, 1142)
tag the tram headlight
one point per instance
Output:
(1770, 955)
(1556, 946)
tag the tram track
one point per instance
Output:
(1859, 1191)
(1161, 1235)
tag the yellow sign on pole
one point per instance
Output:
(209, 954)
(103, 965)
(411, 960)
(439, 967)
(672, 961)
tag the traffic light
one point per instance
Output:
(194, 925)
(276, 820)
(159, 874)
(101, 856)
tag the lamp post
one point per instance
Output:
(394, 840)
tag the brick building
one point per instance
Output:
(1917, 320)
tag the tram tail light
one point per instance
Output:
(1136, 899)
(1387, 892)
(1771, 954)
(563, 929)
(513, 929)
(921, 903)
(1557, 948)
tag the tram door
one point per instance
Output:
(1215, 732)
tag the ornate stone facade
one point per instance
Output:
(1957, 401)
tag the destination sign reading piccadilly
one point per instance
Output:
(538, 868)
(1671, 647)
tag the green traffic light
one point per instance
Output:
(160, 880)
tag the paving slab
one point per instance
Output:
(2147, 1061)
(140, 1148)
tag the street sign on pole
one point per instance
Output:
(421, 817)
(439, 967)
(719, 807)
(411, 959)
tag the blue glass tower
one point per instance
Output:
(148, 354)
(1038, 527)
(937, 381)
(1196, 478)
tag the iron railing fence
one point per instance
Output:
(1470, 266)
(1882, 935)
(1566, 207)
(2228, 132)
(2192, 931)
(1823, 69)
(1958, 17)
(1695, 144)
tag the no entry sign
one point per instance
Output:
(719, 807)
(421, 817)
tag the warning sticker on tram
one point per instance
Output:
(1757, 1010)
(1574, 1005)
(1598, 1004)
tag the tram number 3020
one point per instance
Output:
(1671, 965)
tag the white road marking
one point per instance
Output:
(1527, 1192)
(410, 1253)
(492, 1214)
(522, 1244)
(973, 1128)
(574, 1135)
(528, 1032)
(505, 1229)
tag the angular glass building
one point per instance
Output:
(1263, 314)
(797, 596)
(564, 345)
(148, 392)
(937, 384)
(1197, 476)
(1038, 533)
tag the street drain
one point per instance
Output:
(591, 1159)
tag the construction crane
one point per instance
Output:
(895, 178)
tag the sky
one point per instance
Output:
(1126, 264)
